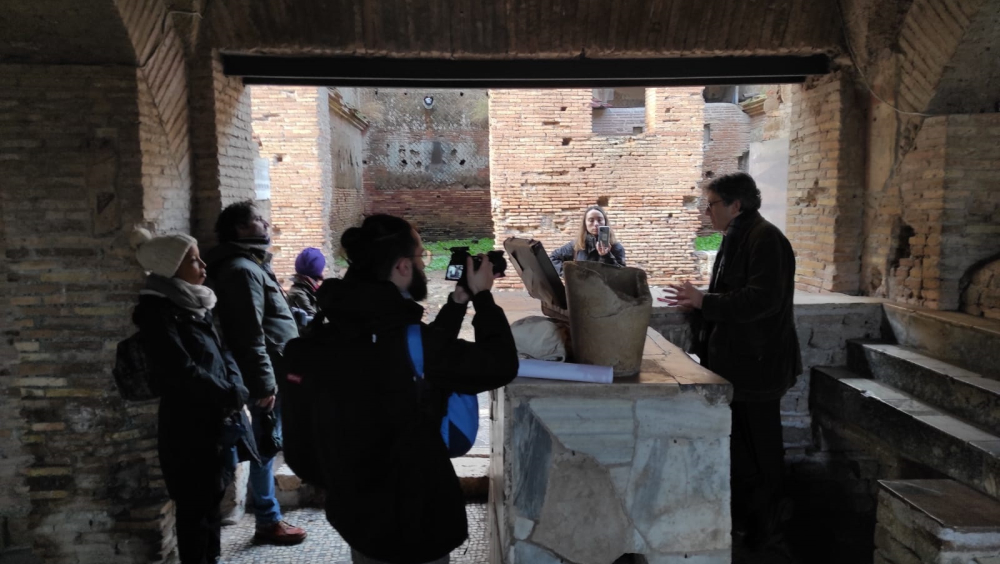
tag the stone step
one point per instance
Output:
(956, 390)
(964, 340)
(935, 521)
(291, 491)
(916, 430)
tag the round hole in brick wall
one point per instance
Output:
(404, 162)
(461, 93)
(461, 162)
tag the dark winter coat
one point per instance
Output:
(302, 301)
(568, 252)
(255, 319)
(302, 295)
(201, 401)
(391, 489)
(745, 330)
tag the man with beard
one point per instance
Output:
(256, 326)
(376, 421)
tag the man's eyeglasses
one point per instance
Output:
(711, 203)
(426, 256)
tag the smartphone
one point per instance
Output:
(604, 235)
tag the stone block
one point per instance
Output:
(683, 417)
(578, 486)
(528, 553)
(711, 557)
(604, 429)
(678, 496)
(531, 447)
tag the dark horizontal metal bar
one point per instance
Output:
(649, 83)
(524, 73)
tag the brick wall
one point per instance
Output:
(163, 106)
(826, 185)
(982, 295)
(547, 166)
(619, 121)
(221, 143)
(167, 196)
(772, 117)
(347, 153)
(78, 475)
(970, 223)
(429, 165)
(938, 215)
(293, 126)
(728, 139)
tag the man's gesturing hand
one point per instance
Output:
(684, 296)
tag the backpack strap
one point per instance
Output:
(416, 345)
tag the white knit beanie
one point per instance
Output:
(161, 255)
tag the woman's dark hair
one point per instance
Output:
(737, 186)
(373, 249)
(581, 238)
(235, 215)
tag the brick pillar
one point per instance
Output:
(221, 142)
(293, 125)
(826, 185)
(78, 475)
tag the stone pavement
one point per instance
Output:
(325, 545)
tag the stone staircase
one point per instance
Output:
(929, 394)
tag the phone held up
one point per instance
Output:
(604, 235)
(456, 266)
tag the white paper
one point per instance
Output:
(565, 371)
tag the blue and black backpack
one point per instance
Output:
(461, 420)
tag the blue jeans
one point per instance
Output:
(264, 503)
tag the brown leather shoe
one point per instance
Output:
(280, 533)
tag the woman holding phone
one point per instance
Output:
(595, 242)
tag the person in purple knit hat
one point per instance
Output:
(308, 276)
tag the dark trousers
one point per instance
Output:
(758, 454)
(199, 525)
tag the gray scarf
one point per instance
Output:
(196, 299)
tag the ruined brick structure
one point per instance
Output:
(311, 138)
(726, 144)
(429, 163)
(293, 125)
(619, 121)
(547, 166)
(347, 132)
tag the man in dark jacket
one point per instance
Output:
(745, 332)
(392, 492)
(256, 325)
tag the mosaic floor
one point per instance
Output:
(325, 545)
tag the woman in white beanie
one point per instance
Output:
(201, 417)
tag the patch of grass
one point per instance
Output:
(442, 253)
(708, 243)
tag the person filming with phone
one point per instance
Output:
(595, 242)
